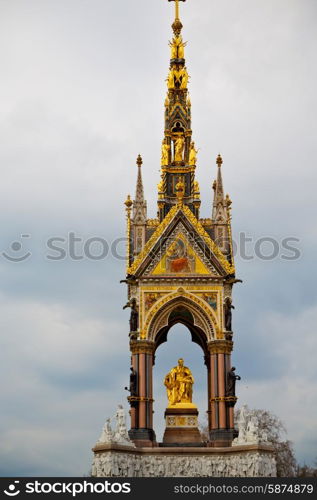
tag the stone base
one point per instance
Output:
(222, 437)
(143, 437)
(182, 427)
(239, 461)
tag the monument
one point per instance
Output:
(181, 415)
(180, 269)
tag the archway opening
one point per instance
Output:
(177, 341)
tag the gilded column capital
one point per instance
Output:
(142, 347)
(220, 347)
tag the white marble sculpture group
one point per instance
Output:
(249, 427)
(120, 434)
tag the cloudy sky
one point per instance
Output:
(82, 91)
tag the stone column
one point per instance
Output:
(133, 410)
(221, 430)
(222, 391)
(141, 431)
(208, 364)
(142, 390)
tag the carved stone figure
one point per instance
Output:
(228, 314)
(250, 431)
(133, 382)
(177, 48)
(165, 153)
(184, 78)
(174, 47)
(253, 433)
(179, 384)
(231, 382)
(134, 317)
(107, 434)
(121, 435)
(196, 187)
(193, 156)
(179, 148)
(171, 78)
(181, 48)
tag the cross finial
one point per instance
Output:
(177, 7)
(177, 25)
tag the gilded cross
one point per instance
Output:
(177, 7)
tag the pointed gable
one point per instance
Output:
(180, 232)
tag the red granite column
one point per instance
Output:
(133, 410)
(142, 391)
(222, 391)
(150, 390)
(208, 363)
(213, 391)
(221, 429)
(141, 431)
(230, 405)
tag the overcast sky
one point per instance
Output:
(82, 91)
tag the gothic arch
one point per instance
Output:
(202, 321)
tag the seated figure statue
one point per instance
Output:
(179, 384)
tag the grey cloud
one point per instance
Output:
(82, 94)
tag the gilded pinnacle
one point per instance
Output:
(139, 161)
(219, 160)
(128, 203)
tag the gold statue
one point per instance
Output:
(181, 47)
(193, 154)
(179, 385)
(165, 153)
(229, 202)
(185, 77)
(177, 48)
(171, 77)
(180, 190)
(179, 147)
(160, 186)
(196, 187)
(174, 77)
(173, 46)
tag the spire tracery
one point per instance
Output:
(179, 155)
